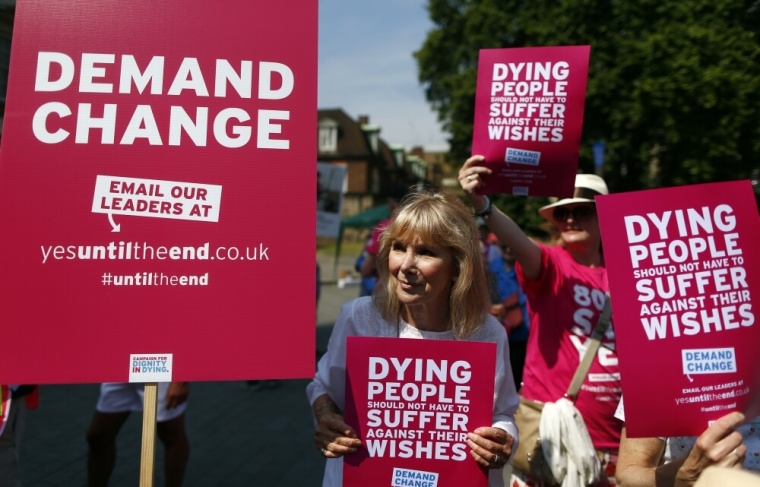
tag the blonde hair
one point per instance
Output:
(442, 220)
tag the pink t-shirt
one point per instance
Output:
(564, 305)
(373, 246)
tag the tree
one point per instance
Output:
(673, 89)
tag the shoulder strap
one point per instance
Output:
(593, 346)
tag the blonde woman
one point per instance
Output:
(433, 287)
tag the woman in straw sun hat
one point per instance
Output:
(566, 287)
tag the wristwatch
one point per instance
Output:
(487, 210)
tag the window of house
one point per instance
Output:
(373, 136)
(328, 136)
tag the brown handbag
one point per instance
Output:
(529, 457)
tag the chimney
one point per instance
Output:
(363, 120)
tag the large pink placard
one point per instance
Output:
(683, 269)
(528, 118)
(412, 403)
(157, 175)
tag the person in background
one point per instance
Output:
(566, 286)
(511, 308)
(14, 404)
(489, 242)
(368, 267)
(114, 406)
(432, 287)
(369, 282)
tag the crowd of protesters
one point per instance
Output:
(536, 292)
(444, 272)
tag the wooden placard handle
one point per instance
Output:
(148, 453)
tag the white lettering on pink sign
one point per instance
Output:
(56, 73)
(690, 272)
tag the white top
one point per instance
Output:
(360, 317)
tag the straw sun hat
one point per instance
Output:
(587, 186)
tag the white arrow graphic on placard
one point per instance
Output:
(115, 228)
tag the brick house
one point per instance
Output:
(373, 166)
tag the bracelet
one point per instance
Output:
(488, 209)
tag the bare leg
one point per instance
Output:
(176, 449)
(101, 438)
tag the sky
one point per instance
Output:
(366, 67)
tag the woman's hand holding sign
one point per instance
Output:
(469, 178)
(490, 447)
(641, 459)
(333, 437)
(720, 444)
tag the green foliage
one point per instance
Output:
(674, 85)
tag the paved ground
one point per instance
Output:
(238, 437)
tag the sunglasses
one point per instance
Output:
(579, 213)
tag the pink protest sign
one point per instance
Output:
(683, 269)
(157, 171)
(528, 118)
(412, 403)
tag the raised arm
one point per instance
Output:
(526, 250)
